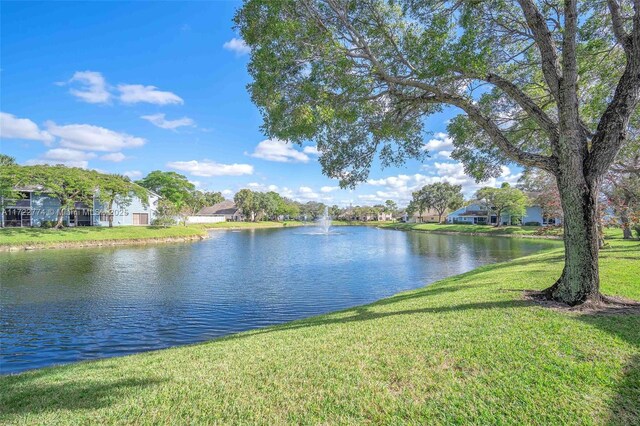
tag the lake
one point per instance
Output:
(60, 306)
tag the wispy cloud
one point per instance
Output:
(159, 120)
(116, 157)
(138, 93)
(208, 168)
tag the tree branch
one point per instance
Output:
(546, 45)
(612, 127)
(617, 23)
(522, 99)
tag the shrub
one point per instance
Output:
(532, 224)
(636, 228)
(163, 221)
(47, 224)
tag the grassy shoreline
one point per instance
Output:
(37, 238)
(466, 349)
(484, 230)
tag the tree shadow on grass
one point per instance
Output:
(365, 313)
(625, 406)
(25, 394)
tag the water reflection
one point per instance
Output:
(64, 306)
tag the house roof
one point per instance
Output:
(226, 207)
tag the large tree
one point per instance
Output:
(119, 189)
(69, 185)
(440, 196)
(503, 200)
(542, 83)
(248, 202)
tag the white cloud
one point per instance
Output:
(12, 127)
(280, 151)
(136, 93)
(400, 188)
(160, 121)
(208, 168)
(66, 154)
(93, 138)
(238, 46)
(92, 87)
(444, 154)
(327, 189)
(68, 157)
(133, 174)
(116, 157)
(260, 187)
(313, 150)
(441, 141)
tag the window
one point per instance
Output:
(106, 217)
(141, 218)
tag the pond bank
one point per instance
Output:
(480, 230)
(18, 239)
(467, 349)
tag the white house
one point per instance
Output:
(226, 210)
(477, 214)
(36, 207)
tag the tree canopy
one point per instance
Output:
(548, 84)
(503, 200)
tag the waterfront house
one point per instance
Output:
(226, 210)
(427, 216)
(35, 208)
(477, 214)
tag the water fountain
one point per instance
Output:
(324, 222)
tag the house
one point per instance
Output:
(35, 207)
(476, 214)
(227, 209)
(385, 216)
(365, 215)
(427, 216)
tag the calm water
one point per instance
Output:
(68, 305)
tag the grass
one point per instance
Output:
(476, 229)
(39, 236)
(467, 349)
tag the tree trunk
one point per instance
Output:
(110, 213)
(60, 217)
(626, 228)
(580, 279)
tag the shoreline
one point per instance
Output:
(100, 243)
(480, 234)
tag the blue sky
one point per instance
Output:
(134, 87)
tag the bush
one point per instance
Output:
(47, 224)
(636, 228)
(163, 221)
(532, 224)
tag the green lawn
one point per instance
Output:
(468, 349)
(40, 236)
(476, 229)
